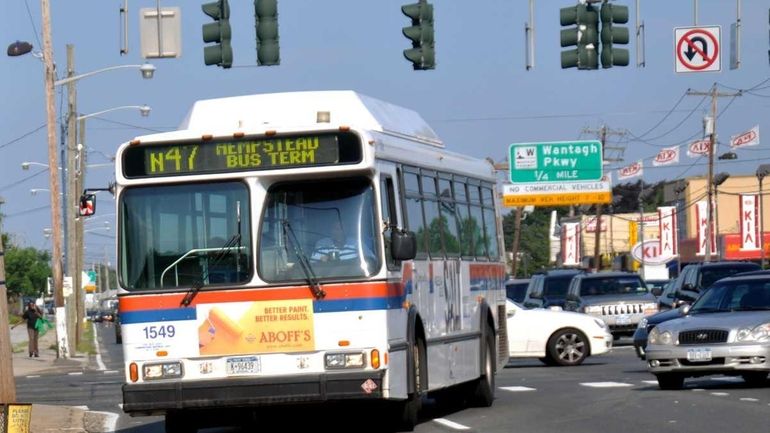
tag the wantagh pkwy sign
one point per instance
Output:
(564, 161)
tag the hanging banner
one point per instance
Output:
(699, 148)
(667, 227)
(667, 156)
(749, 226)
(702, 218)
(570, 244)
(748, 138)
(629, 171)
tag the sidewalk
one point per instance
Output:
(51, 418)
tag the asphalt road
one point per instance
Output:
(608, 393)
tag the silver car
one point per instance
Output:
(726, 331)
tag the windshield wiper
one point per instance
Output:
(233, 243)
(304, 263)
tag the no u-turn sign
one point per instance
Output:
(698, 49)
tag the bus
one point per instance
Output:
(305, 247)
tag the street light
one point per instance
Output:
(762, 171)
(144, 110)
(719, 179)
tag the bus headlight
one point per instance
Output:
(166, 370)
(344, 360)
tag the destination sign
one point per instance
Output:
(243, 154)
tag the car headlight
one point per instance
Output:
(642, 323)
(663, 338)
(650, 308)
(600, 323)
(759, 333)
(592, 309)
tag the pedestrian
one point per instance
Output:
(31, 315)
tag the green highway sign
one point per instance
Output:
(561, 161)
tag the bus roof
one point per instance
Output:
(301, 109)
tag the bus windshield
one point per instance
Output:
(185, 235)
(328, 225)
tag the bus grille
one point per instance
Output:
(702, 336)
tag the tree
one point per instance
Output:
(27, 271)
(533, 241)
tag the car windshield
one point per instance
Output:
(556, 287)
(611, 286)
(711, 275)
(516, 291)
(734, 296)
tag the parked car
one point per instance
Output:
(516, 289)
(620, 299)
(555, 337)
(549, 288)
(698, 276)
(726, 331)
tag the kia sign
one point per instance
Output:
(748, 138)
(631, 170)
(651, 250)
(669, 155)
(698, 148)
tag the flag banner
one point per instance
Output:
(748, 138)
(699, 148)
(667, 227)
(570, 244)
(667, 156)
(633, 170)
(749, 226)
(702, 219)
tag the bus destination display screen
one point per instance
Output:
(243, 154)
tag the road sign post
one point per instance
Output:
(564, 161)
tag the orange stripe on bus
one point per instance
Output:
(333, 292)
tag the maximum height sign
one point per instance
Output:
(561, 161)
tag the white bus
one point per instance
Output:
(305, 247)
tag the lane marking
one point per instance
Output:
(111, 372)
(517, 388)
(32, 376)
(605, 384)
(720, 394)
(650, 382)
(75, 373)
(749, 399)
(451, 424)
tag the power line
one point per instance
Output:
(15, 140)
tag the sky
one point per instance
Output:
(479, 99)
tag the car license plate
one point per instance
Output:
(623, 319)
(243, 365)
(699, 355)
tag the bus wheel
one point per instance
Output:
(407, 411)
(180, 422)
(484, 387)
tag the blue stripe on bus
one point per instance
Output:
(166, 315)
(146, 316)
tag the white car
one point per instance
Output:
(555, 337)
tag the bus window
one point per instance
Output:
(449, 219)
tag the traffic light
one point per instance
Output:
(220, 54)
(266, 13)
(423, 53)
(585, 35)
(612, 34)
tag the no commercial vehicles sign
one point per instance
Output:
(564, 161)
(698, 49)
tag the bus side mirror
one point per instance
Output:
(403, 245)
(87, 205)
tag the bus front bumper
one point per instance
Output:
(159, 397)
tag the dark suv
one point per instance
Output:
(696, 277)
(549, 288)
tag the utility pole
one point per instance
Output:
(711, 130)
(7, 382)
(80, 222)
(602, 132)
(70, 200)
(516, 240)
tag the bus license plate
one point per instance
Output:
(699, 355)
(243, 365)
